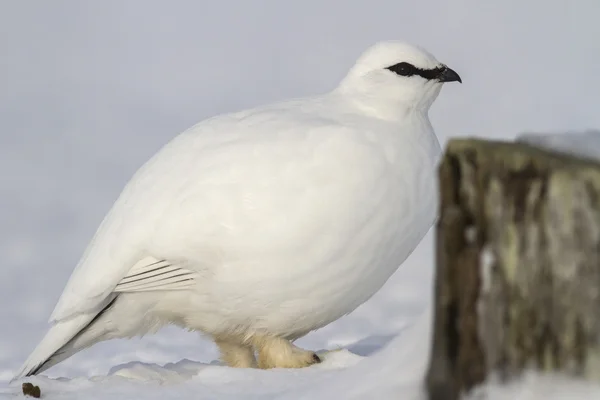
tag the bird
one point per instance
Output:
(256, 227)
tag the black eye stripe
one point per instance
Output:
(404, 69)
(407, 69)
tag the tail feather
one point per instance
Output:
(56, 338)
(58, 344)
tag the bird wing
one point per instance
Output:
(147, 274)
(152, 274)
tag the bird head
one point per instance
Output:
(398, 74)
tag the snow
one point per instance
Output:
(90, 91)
(209, 381)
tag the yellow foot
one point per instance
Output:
(275, 352)
(236, 355)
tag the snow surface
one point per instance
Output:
(91, 90)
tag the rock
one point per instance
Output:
(29, 389)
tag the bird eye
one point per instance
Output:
(403, 69)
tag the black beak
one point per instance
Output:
(449, 75)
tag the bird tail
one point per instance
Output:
(59, 343)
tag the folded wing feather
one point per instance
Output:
(154, 274)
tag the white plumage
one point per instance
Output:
(260, 226)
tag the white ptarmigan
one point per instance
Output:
(260, 226)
